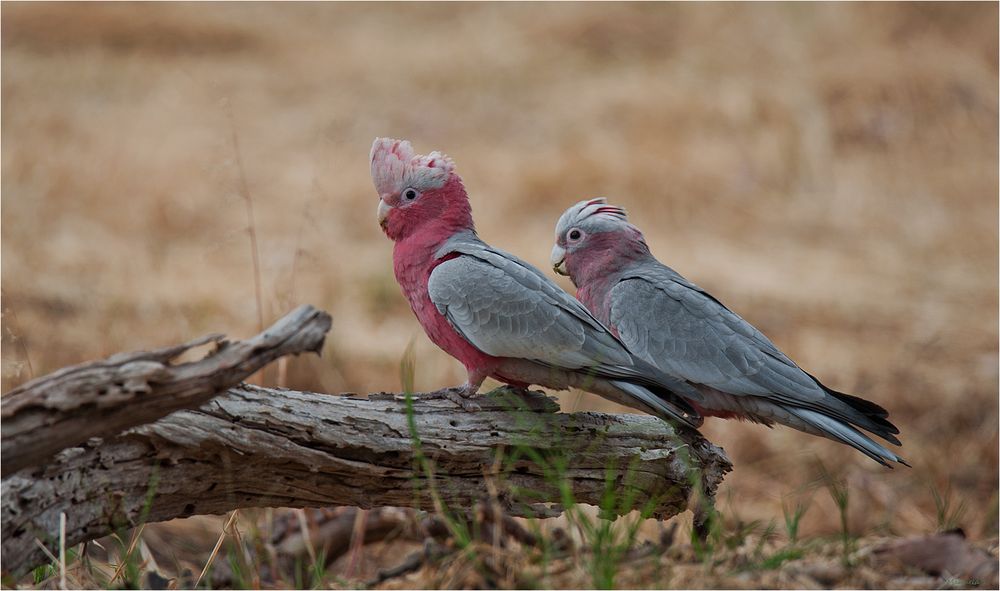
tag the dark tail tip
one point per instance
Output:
(871, 411)
(875, 413)
(862, 405)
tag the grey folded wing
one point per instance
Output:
(505, 310)
(691, 336)
(688, 334)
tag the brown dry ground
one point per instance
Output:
(828, 171)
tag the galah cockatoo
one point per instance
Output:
(691, 336)
(498, 315)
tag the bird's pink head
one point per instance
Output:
(593, 238)
(417, 193)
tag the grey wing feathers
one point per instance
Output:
(507, 308)
(691, 335)
(497, 314)
(524, 273)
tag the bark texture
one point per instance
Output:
(103, 398)
(265, 447)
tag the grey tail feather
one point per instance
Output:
(666, 405)
(848, 435)
(872, 418)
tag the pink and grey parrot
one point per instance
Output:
(692, 337)
(498, 315)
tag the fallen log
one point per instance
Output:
(103, 398)
(252, 447)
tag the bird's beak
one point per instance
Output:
(383, 212)
(558, 260)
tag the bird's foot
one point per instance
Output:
(461, 395)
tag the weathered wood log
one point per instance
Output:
(103, 398)
(264, 447)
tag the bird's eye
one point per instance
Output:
(410, 194)
(574, 234)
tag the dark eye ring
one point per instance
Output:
(410, 194)
(574, 234)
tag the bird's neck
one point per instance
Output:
(448, 213)
(414, 257)
(612, 256)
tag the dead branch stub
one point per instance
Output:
(103, 398)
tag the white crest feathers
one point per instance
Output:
(394, 167)
(598, 210)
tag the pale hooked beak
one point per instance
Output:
(383, 212)
(558, 260)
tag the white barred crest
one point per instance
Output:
(395, 167)
(595, 211)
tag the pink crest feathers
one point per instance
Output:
(395, 166)
(598, 206)
(597, 211)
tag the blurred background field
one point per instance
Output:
(829, 171)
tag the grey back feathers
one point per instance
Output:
(689, 334)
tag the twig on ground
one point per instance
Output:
(218, 545)
(136, 534)
(412, 563)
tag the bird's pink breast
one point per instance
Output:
(413, 262)
(595, 297)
